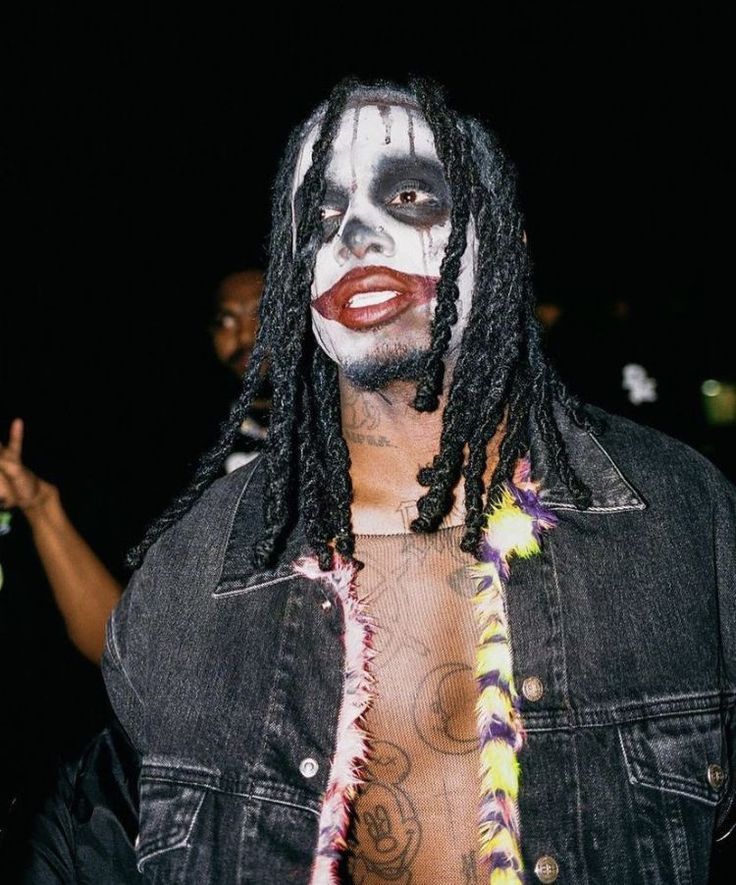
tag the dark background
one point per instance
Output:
(138, 156)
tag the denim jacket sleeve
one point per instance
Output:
(182, 558)
(724, 538)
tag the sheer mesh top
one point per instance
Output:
(415, 819)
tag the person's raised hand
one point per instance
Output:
(19, 486)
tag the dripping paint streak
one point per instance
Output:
(385, 111)
(356, 123)
(430, 242)
(423, 242)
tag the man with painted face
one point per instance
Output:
(453, 625)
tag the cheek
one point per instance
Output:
(326, 272)
(325, 332)
(465, 283)
(436, 239)
(223, 342)
(420, 250)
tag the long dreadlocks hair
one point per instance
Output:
(501, 373)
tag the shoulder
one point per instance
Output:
(653, 460)
(225, 493)
(202, 532)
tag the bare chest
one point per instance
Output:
(415, 818)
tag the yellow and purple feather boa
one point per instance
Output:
(513, 529)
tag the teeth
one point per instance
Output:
(368, 299)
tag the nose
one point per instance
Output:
(358, 238)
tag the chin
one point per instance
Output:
(381, 368)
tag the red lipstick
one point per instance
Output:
(408, 290)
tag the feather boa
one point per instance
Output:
(351, 744)
(513, 528)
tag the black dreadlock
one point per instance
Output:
(501, 375)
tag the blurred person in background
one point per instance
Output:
(233, 332)
(84, 589)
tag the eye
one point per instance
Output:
(327, 213)
(413, 190)
(417, 204)
(329, 217)
(412, 197)
(224, 321)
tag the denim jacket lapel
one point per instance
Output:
(238, 574)
(611, 491)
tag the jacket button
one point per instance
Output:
(546, 868)
(716, 776)
(326, 605)
(308, 767)
(532, 688)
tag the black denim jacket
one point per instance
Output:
(228, 683)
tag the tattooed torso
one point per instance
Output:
(415, 818)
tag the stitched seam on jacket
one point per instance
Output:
(639, 782)
(723, 816)
(613, 716)
(598, 508)
(113, 646)
(239, 590)
(205, 785)
(181, 844)
(296, 805)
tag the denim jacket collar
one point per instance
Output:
(611, 493)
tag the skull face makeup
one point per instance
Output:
(386, 224)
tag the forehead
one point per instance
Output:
(242, 288)
(367, 133)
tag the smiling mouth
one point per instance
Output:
(367, 297)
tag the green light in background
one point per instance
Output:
(719, 402)
(711, 387)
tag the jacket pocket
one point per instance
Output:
(202, 825)
(683, 754)
(677, 770)
(171, 797)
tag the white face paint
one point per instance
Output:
(386, 225)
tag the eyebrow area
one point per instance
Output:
(391, 172)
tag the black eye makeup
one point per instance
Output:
(413, 190)
(333, 208)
